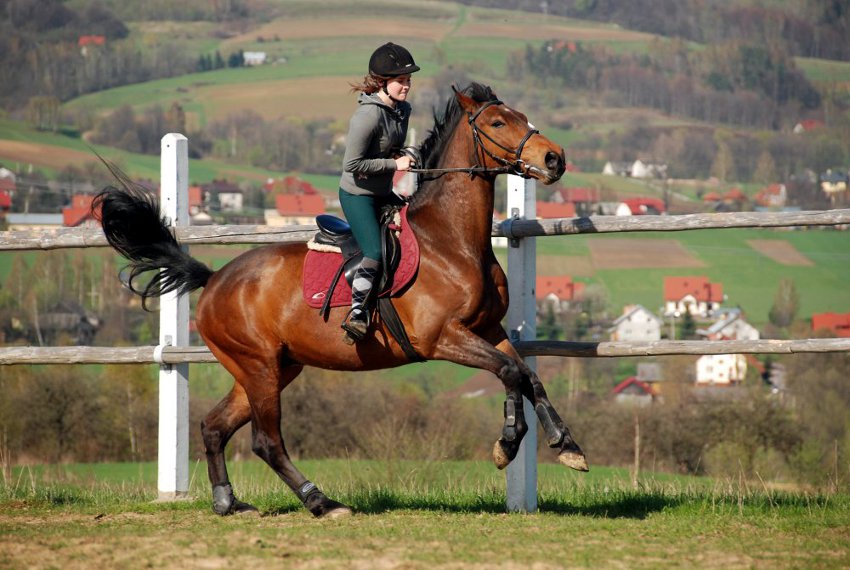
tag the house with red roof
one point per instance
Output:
(295, 209)
(554, 210)
(5, 201)
(694, 294)
(559, 292)
(79, 213)
(807, 125)
(836, 323)
(772, 196)
(634, 392)
(583, 198)
(640, 207)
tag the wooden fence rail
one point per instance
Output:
(245, 234)
(201, 354)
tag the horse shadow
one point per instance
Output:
(637, 507)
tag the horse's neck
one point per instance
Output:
(460, 208)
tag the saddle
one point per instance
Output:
(333, 256)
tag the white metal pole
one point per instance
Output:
(522, 325)
(173, 460)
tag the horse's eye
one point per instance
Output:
(497, 124)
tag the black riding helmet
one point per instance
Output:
(392, 60)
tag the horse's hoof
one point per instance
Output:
(340, 512)
(244, 509)
(574, 460)
(500, 456)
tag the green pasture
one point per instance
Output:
(417, 515)
(750, 279)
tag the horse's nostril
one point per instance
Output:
(553, 161)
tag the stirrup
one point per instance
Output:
(355, 328)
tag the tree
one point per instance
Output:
(785, 304)
(765, 169)
(689, 327)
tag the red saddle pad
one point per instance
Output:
(320, 268)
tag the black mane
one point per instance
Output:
(433, 146)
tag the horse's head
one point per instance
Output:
(503, 137)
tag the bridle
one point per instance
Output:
(517, 166)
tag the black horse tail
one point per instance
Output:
(131, 220)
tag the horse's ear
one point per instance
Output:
(468, 104)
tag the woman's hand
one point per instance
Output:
(404, 162)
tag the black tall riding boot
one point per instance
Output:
(357, 322)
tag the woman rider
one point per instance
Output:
(376, 132)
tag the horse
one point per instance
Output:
(253, 318)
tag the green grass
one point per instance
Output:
(417, 515)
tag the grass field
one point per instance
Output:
(417, 515)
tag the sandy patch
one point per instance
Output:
(779, 251)
(640, 253)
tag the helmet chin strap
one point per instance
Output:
(387, 93)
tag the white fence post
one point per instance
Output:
(173, 461)
(522, 326)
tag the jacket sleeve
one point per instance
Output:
(363, 128)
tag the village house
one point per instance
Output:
(254, 57)
(730, 325)
(612, 168)
(772, 196)
(79, 214)
(5, 201)
(583, 199)
(807, 125)
(647, 170)
(721, 369)
(636, 324)
(558, 292)
(694, 294)
(640, 207)
(838, 324)
(632, 391)
(227, 195)
(833, 182)
(295, 209)
(8, 181)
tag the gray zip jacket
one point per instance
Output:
(375, 130)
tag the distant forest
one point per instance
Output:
(807, 28)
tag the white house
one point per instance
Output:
(695, 294)
(612, 168)
(636, 324)
(730, 326)
(254, 57)
(721, 369)
(641, 169)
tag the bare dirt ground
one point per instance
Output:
(640, 253)
(779, 251)
(572, 265)
(44, 156)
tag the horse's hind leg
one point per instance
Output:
(217, 428)
(264, 398)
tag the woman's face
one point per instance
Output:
(398, 87)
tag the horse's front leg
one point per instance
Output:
(460, 345)
(557, 434)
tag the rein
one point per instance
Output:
(518, 166)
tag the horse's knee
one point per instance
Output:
(213, 439)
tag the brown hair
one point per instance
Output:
(371, 83)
